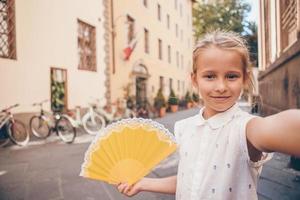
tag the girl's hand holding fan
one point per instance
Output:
(126, 151)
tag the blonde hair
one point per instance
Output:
(229, 41)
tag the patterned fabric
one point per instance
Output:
(214, 161)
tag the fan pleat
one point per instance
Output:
(131, 141)
(105, 146)
(150, 143)
(114, 142)
(99, 176)
(138, 143)
(141, 147)
(100, 164)
(103, 156)
(111, 144)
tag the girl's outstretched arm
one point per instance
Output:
(163, 185)
(279, 132)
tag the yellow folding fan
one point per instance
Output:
(127, 150)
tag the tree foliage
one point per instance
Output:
(224, 15)
(251, 37)
(227, 15)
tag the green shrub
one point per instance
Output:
(188, 97)
(173, 100)
(159, 100)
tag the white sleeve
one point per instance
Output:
(244, 148)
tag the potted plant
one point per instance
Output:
(195, 98)
(182, 103)
(188, 100)
(173, 101)
(160, 103)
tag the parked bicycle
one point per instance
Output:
(12, 129)
(115, 111)
(42, 125)
(91, 122)
(98, 116)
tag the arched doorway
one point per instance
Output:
(140, 75)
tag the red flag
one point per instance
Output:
(129, 49)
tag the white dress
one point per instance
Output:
(214, 161)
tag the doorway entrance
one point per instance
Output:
(141, 75)
(141, 91)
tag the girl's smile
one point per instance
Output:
(220, 98)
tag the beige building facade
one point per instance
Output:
(279, 55)
(160, 34)
(52, 49)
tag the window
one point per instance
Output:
(130, 22)
(161, 82)
(288, 21)
(175, 4)
(86, 46)
(7, 29)
(176, 30)
(158, 12)
(178, 85)
(169, 53)
(160, 49)
(145, 3)
(146, 37)
(168, 21)
(177, 58)
(171, 84)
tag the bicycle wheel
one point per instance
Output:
(39, 127)
(65, 130)
(4, 138)
(18, 133)
(93, 123)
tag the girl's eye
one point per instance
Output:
(209, 76)
(232, 76)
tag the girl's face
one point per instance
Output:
(219, 79)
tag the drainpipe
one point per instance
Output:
(113, 37)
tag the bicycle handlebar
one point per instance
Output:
(40, 103)
(10, 107)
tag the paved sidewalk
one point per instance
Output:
(49, 170)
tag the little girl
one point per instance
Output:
(222, 149)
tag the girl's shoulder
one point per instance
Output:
(182, 126)
(243, 115)
(187, 121)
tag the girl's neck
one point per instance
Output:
(208, 112)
